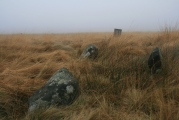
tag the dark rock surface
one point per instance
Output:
(155, 61)
(91, 51)
(61, 89)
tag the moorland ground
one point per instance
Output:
(116, 85)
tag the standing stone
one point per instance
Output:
(155, 61)
(61, 89)
(90, 51)
(117, 32)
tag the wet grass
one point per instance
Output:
(116, 85)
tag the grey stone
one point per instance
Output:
(155, 61)
(61, 89)
(117, 32)
(91, 51)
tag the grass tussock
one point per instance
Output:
(117, 85)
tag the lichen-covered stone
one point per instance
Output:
(155, 61)
(90, 51)
(61, 89)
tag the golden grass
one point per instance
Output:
(117, 85)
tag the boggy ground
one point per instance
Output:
(117, 85)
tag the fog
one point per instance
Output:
(71, 16)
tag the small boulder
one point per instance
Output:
(90, 51)
(61, 89)
(155, 61)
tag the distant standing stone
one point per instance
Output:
(117, 32)
(90, 51)
(155, 61)
(61, 89)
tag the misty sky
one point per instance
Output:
(66, 16)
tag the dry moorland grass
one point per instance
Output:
(117, 85)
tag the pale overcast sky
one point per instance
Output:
(66, 16)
